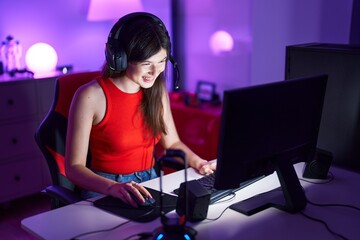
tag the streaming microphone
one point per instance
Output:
(173, 228)
(177, 72)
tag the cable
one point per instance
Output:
(144, 235)
(334, 205)
(325, 224)
(214, 219)
(110, 229)
(232, 197)
(99, 231)
(326, 205)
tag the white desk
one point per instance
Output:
(82, 217)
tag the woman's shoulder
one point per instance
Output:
(91, 91)
(91, 87)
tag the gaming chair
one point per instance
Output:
(50, 136)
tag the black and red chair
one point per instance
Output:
(50, 136)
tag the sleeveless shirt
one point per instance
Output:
(121, 143)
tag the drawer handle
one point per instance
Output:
(17, 178)
(11, 101)
(14, 140)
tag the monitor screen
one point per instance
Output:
(267, 128)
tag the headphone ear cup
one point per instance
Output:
(116, 58)
(110, 56)
(120, 59)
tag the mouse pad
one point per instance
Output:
(141, 214)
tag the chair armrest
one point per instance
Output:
(62, 194)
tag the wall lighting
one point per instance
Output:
(221, 41)
(41, 58)
(102, 10)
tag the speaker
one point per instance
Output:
(198, 199)
(319, 167)
(1, 68)
(114, 51)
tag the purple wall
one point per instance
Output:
(63, 24)
(293, 22)
(261, 30)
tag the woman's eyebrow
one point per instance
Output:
(147, 61)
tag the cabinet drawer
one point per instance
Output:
(17, 139)
(17, 99)
(20, 178)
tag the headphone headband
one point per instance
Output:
(116, 29)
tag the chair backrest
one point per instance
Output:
(51, 133)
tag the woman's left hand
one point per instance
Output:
(207, 167)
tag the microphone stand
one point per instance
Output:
(173, 228)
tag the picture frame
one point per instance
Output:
(205, 91)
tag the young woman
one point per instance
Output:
(122, 115)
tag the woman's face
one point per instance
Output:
(145, 73)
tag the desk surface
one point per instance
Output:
(82, 217)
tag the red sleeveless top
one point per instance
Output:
(121, 143)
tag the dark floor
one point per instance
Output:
(12, 213)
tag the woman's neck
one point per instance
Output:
(125, 84)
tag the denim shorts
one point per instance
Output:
(136, 177)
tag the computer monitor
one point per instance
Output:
(267, 128)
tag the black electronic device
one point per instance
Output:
(174, 228)
(1, 68)
(149, 202)
(339, 131)
(207, 183)
(267, 128)
(319, 167)
(195, 201)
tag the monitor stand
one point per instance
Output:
(290, 197)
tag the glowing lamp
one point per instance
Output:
(221, 41)
(41, 58)
(102, 10)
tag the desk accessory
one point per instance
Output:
(173, 228)
(193, 200)
(319, 167)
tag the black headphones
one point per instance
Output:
(115, 54)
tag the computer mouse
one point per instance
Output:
(149, 202)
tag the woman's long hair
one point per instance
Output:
(142, 38)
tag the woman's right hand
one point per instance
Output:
(130, 193)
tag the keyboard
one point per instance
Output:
(208, 181)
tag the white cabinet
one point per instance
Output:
(23, 104)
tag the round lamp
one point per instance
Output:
(221, 41)
(41, 58)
